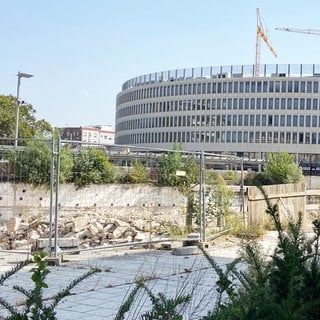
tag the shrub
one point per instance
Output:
(92, 166)
(138, 174)
(34, 306)
(287, 286)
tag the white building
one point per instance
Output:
(97, 134)
(224, 110)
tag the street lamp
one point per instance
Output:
(16, 130)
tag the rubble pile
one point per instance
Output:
(91, 229)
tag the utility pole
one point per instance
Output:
(16, 129)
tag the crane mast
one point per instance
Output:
(261, 34)
(308, 31)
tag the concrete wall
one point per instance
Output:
(134, 202)
(116, 201)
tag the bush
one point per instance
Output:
(32, 165)
(35, 305)
(92, 166)
(138, 174)
(287, 286)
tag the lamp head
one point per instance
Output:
(24, 75)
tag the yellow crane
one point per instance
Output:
(308, 31)
(261, 34)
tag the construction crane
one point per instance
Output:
(308, 31)
(261, 34)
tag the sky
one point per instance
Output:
(82, 51)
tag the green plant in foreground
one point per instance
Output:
(287, 286)
(163, 308)
(34, 307)
(284, 286)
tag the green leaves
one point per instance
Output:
(138, 174)
(280, 168)
(29, 126)
(172, 162)
(169, 164)
(32, 165)
(162, 307)
(41, 271)
(34, 306)
(286, 286)
(91, 166)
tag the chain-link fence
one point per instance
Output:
(49, 182)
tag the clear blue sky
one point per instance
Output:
(81, 51)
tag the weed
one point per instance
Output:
(34, 307)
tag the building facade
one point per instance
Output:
(89, 135)
(224, 110)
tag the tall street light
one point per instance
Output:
(16, 130)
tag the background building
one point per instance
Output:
(224, 110)
(90, 134)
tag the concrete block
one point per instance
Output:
(204, 245)
(93, 229)
(185, 251)
(193, 239)
(194, 236)
(190, 243)
(54, 261)
(13, 224)
(80, 223)
(165, 246)
(68, 242)
(62, 243)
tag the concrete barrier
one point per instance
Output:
(62, 243)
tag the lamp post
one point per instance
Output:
(16, 130)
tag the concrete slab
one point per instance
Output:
(100, 296)
(185, 251)
(62, 243)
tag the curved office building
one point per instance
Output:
(224, 110)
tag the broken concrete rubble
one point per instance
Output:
(94, 229)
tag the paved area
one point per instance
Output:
(100, 296)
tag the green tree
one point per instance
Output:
(91, 166)
(281, 168)
(66, 164)
(29, 126)
(138, 174)
(168, 166)
(192, 171)
(217, 197)
(32, 165)
(172, 162)
(231, 177)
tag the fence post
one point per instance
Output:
(244, 215)
(56, 226)
(51, 194)
(202, 205)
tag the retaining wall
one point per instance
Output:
(115, 201)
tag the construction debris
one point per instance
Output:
(91, 230)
